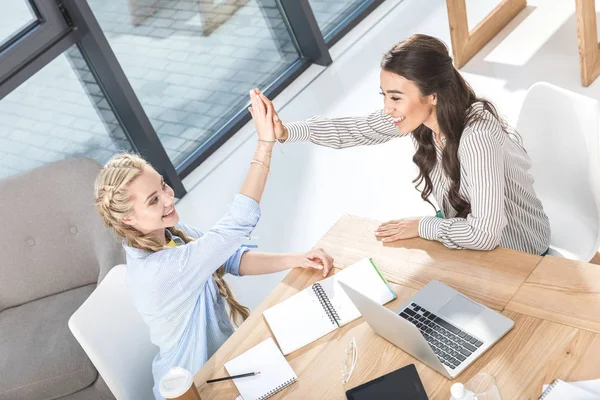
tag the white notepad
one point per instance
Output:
(560, 390)
(323, 307)
(275, 372)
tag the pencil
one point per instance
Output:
(232, 377)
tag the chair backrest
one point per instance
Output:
(116, 339)
(560, 131)
(52, 238)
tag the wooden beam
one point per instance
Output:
(587, 37)
(466, 44)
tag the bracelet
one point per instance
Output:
(267, 141)
(261, 163)
(268, 153)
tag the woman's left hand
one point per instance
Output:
(406, 228)
(317, 259)
(262, 114)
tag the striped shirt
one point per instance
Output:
(494, 179)
(174, 291)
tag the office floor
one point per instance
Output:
(311, 187)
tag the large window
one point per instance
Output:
(192, 63)
(58, 113)
(27, 27)
(17, 18)
(168, 79)
(335, 17)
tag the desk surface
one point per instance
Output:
(491, 278)
(539, 348)
(563, 291)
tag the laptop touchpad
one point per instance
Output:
(460, 310)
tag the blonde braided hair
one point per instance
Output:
(114, 203)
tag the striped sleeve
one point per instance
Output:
(339, 133)
(482, 158)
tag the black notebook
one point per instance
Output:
(403, 383)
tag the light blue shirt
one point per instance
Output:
(174, 291)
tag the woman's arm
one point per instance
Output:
(194, 262)
(337, 133)
(257, 263)
(198, 259)
(481, 156)
(260, 165)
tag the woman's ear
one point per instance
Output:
(128, 221)
(433, 99)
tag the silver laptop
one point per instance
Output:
(438, 325)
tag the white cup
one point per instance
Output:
(178, 384)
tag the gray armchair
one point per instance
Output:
(54, 251)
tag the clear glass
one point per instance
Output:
(330, 13)
(350, 360)
(14, 16)
(192, 63)
(58, 113)
(484, 387)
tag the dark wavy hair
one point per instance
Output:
(425, 61)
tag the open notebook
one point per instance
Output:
(323, 307)
(275, 372)
(561, 390)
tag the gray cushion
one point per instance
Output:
(103, 388)
(89, 393)
(98, 391)
(52, 238)
(39, 357)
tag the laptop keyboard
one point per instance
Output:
(450, 344)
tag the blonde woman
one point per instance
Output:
(175, 272)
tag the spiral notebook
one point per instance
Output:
(275, 372)
(323, 307)
(561, 390)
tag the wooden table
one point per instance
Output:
(563, 291)
(491, 278)
(545, 344)
(466, 43)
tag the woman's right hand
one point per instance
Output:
(262, 114)
(281, 132)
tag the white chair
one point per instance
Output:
(560, 130)
(116, 339)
